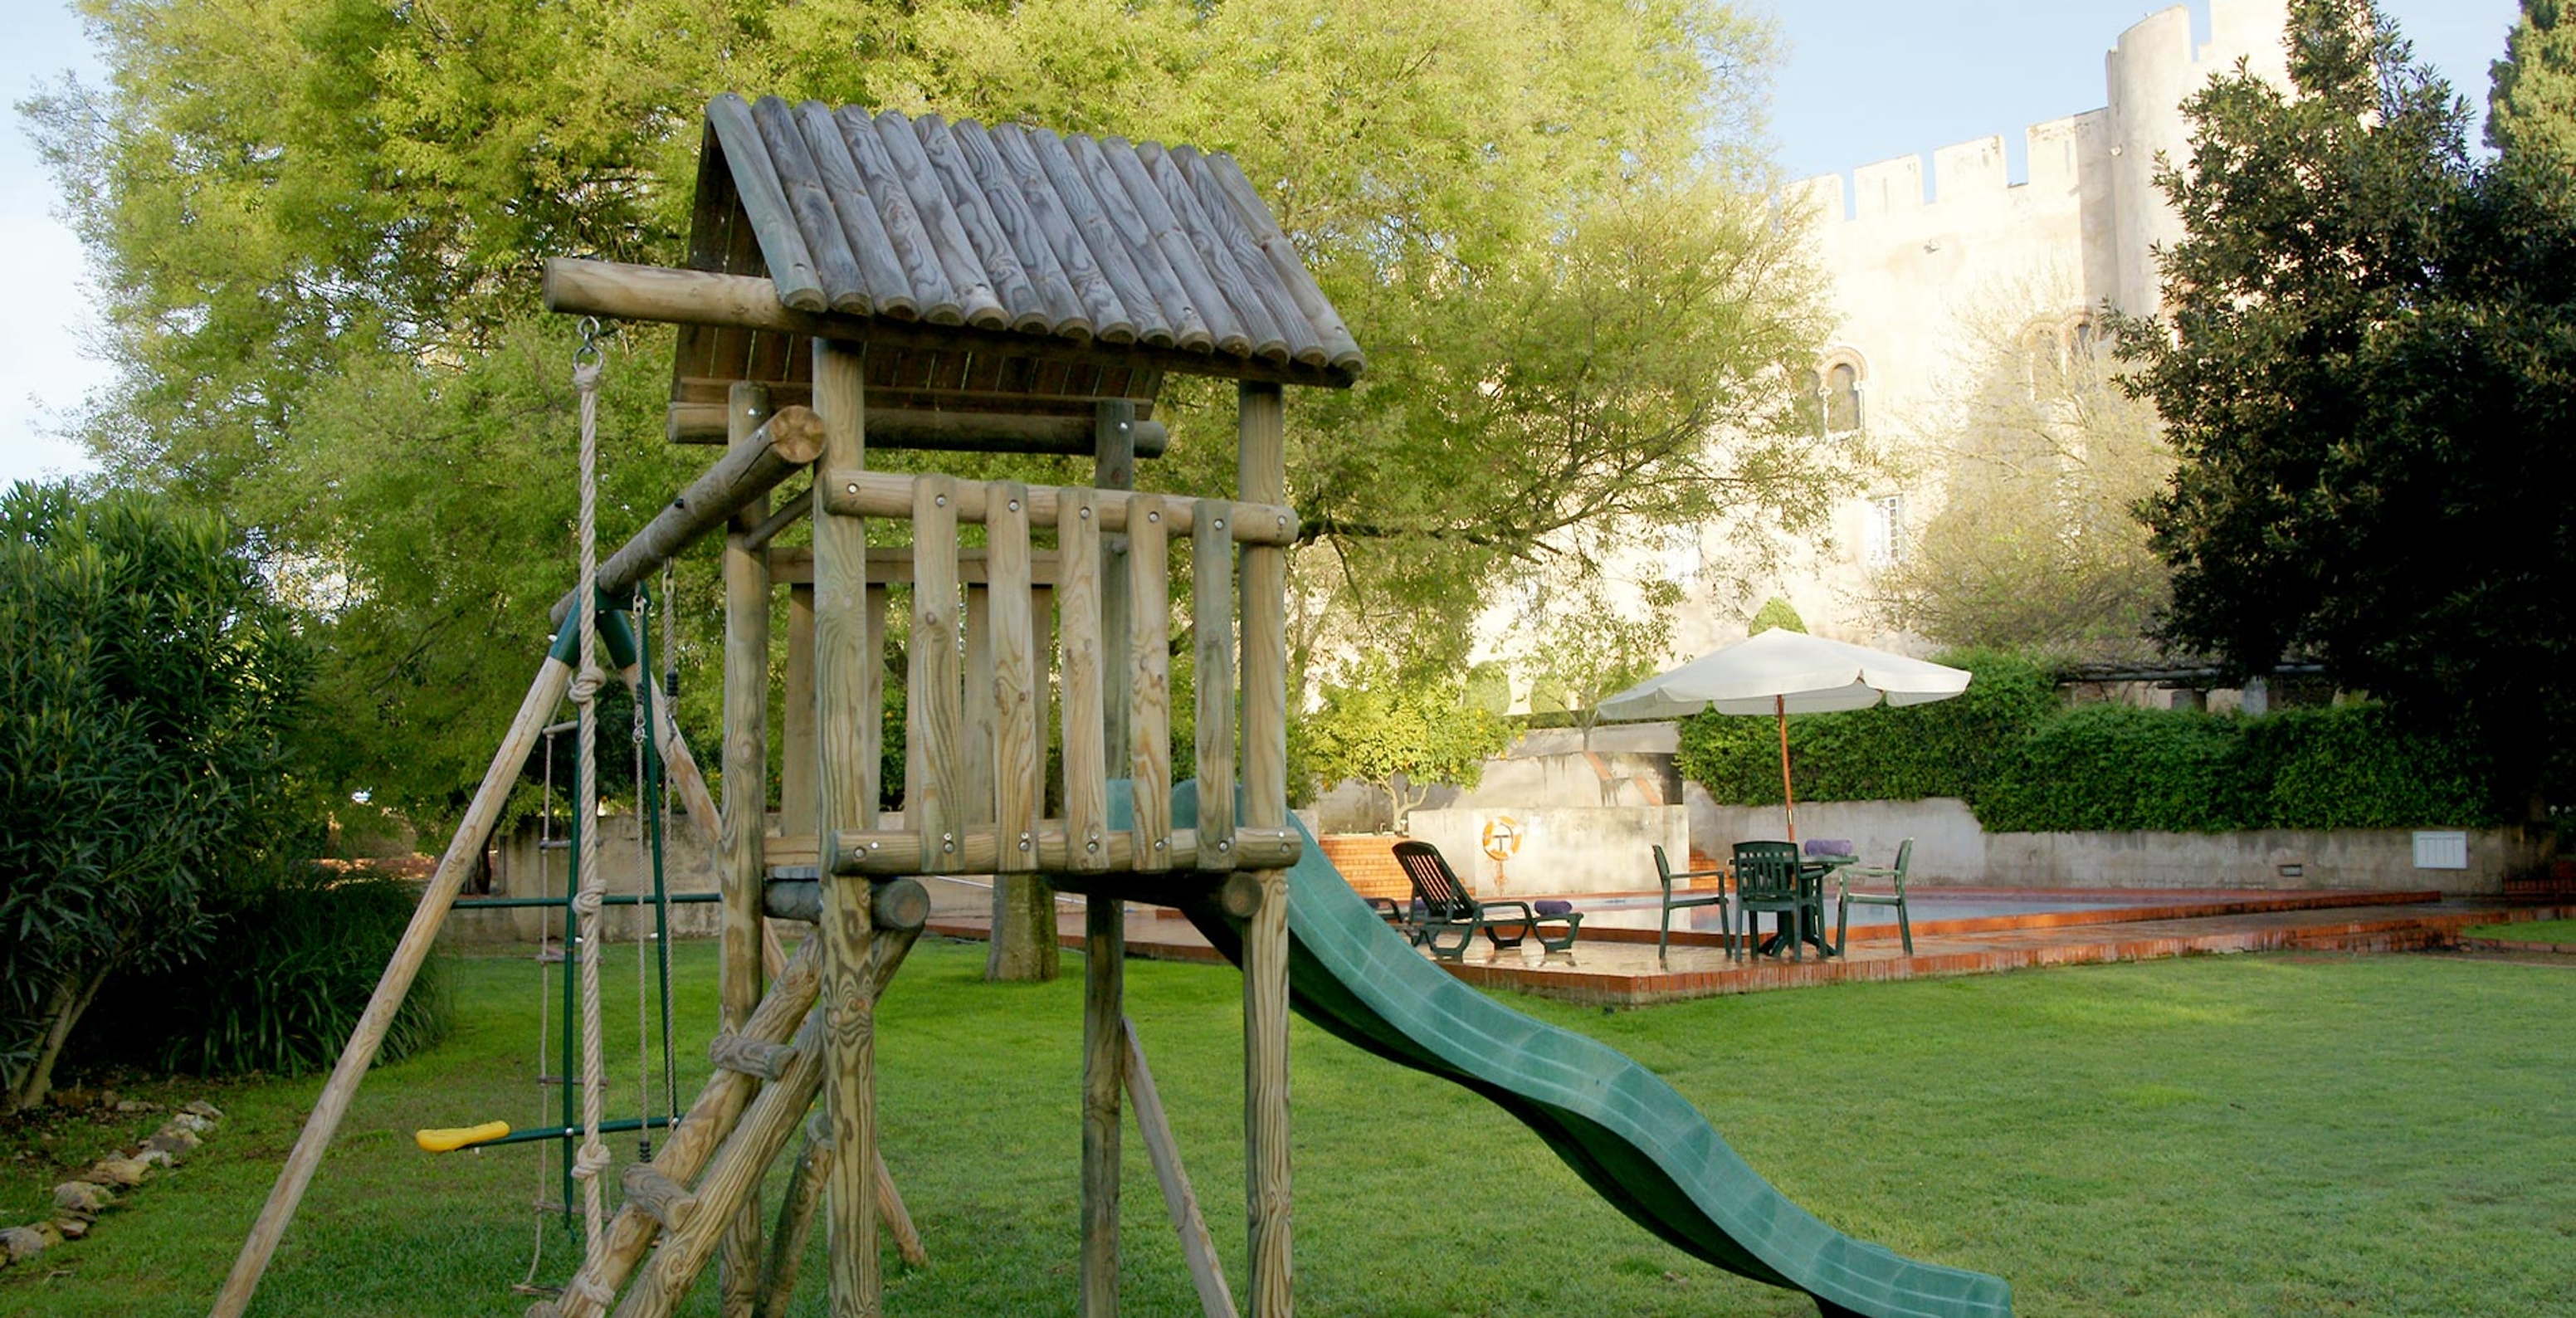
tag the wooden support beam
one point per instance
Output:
(1207, 1273)
(696, 297)
(1261, 476)
(691, 1143)
(1104, 994)
(891, 565)
(661, 1198)
(746, 803)
(783, 445)
(890, 494)
(796, 1221)
(846, 717)
(942, 430)
(1212, 627)
(731, 1050)
(1060, 849)
(735, 1172)
(464, 849)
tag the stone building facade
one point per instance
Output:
(1921, 263)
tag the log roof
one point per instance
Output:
(1005, 268)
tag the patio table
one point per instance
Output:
(1812, 873)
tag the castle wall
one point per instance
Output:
(1916, 280)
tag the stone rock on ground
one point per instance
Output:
(202, 1108)
(83, 1197)
(122, 1172)
(73, 1228)
(22, 1243)
(175, 1140)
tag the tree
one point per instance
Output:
(1777, 612)
(2045, 459)
(317, 227)
(1400, 734)
(149, 690)
(1588, 649)
(2531, 106)
(2360, 368)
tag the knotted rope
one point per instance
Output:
(593, 1157)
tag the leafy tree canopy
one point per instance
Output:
(317, 225)
(1401, 734)
(2362, 368)
(2035, 543)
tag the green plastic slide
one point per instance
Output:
(1633, 1138)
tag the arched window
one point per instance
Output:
(1842, 399)
(1807, 395)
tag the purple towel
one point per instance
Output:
(1549, 906)
(1829, 846)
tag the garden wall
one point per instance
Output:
(687, 866)
(1950, 848)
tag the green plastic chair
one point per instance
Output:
(1688, 898)
(1766, 879)
(1894, 874)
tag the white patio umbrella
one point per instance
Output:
(1781, 673)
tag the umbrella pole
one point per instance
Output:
(1780, 711)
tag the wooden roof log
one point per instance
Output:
(692, 297)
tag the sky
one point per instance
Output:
(1864, 80)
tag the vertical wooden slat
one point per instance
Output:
(1019, 754)
(1261, 478)
(1113, 467)
(975, 800)
(796, 740)
(1212, 623)
(846, 687)
(1149, 680)
(1086, 773)
(932, 718)
(872, 658)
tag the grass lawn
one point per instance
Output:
(2288, 1134)
(2527, 931)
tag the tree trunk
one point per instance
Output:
(1023, 947)
(65, 1012)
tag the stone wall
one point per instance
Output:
(1562, 849)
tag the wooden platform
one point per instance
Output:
(1615, 967)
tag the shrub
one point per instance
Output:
(149, 687)
(2102, 768)
(1941, 749)
(284, 978)
(2354, 767)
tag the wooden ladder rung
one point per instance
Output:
(751, 1057)
(660, 1196)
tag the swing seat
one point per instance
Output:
(452, 1138)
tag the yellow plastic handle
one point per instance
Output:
(458, 1137)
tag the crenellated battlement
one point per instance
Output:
(1965, 175)
(2150, 68)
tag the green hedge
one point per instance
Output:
(1941, 749)
(291, 965)
(2025, 763)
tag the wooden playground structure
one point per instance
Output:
(860, 279)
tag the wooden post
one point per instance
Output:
(1261, 477)
(1216, 1300)
(464, 849)
(845, 776)
(746, 802)
(1104, 985)
(1104, 919)
(1023, 943)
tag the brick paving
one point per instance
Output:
(1616, 967)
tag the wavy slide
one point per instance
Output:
(1633, 1138)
